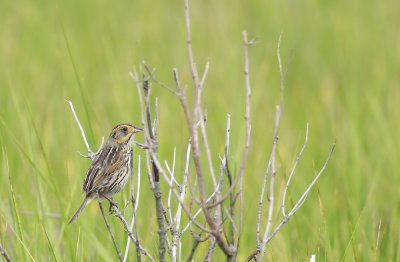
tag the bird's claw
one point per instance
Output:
(112, 204)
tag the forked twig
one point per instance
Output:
(301, 200)
(130, 234)
(197, 115)
(271, 172)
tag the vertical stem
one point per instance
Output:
(160, 220)
(153, 147)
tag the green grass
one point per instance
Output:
(343, 79)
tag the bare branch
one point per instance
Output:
(207, 147)
(271, 164)
(90, 154)
(253, 256)
(192, 65)
(130, 234)
(203, 79)
(196, 105)
(135, 205)
(176, 233)
(197, 240)
(210, 251)
(4, 254)
(176, 194)
(155, 124)
(151, 153)
(151, 140)
(305, 194)
(301, 200)
(172, 173)
(197, 114)
(151, 74)
(135, 77)
(282, 74)
(111, 234)
(248, 95)
(261, 202)
(292, 172)
(195, 245)
(196, 214)
(246, 43)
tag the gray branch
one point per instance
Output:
(4, 254)
(111, 234)
(90, 154)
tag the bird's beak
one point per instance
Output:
(137, 129)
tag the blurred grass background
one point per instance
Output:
(343, 79)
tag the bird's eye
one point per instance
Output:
(125, 129)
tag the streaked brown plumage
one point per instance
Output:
(110, 171)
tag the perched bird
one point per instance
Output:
(110, 170)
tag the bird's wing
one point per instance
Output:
(100, 170)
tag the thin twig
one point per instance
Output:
(210, 251)
(247, 120)
(224, 165)
(176, 233)
(206, 146)
(218, 214)
(246, 44)
(90, 154)
(247, 114)
(292, 172)
(271, 164)
(195, 245)
(305, 194)
(109, 230)
(203, 79)
(197, 114)
(197, 240)
(163, 173)
(135, 205)
(301, 200)
(155, 124)
(4, 254)
(253, 256)
(271, 159)
(172, 173)
(151, 74)
(196, 104)
(130, 234)
(196, 214)
(135, 77)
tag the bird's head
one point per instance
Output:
(123, 133)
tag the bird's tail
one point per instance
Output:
(80, 209)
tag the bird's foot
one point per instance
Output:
(113, 203)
